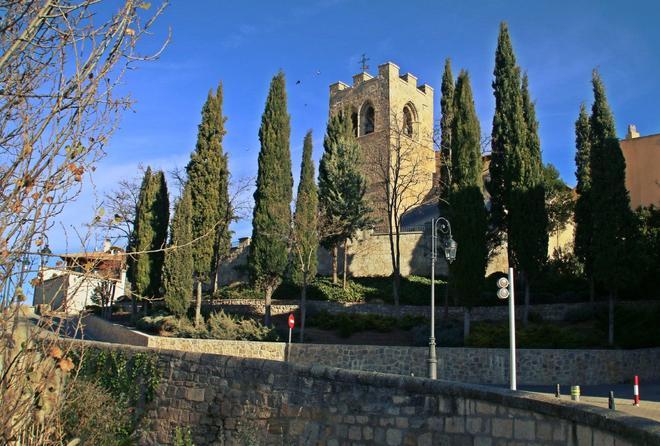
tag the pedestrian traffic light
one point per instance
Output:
(503, 288)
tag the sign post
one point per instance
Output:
(292, 322)
(505, 291)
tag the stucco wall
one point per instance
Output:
(474, 365)
(234, 401)
(642, 155)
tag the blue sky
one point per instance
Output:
(243, 44)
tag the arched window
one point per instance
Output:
(408, 120)
(354, 122)
(367, 118)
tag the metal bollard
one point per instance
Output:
(611, 402)
(575, 393)
(558, 392)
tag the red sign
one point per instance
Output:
(292, 320)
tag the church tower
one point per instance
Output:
(393, 118)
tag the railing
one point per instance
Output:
(384, 229)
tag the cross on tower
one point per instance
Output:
(363, 62)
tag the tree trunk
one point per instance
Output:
(343, 283)
(467, 312)
(134, 308)
(214, 282)
(268, 296)
(526, 307)
(198, 304)
(334, 264)
(303, 308)
(610, 322)
(592, 291)
(396, 286)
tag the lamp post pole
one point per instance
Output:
(433, 360)
(449, 247)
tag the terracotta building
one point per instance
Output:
(642, 154)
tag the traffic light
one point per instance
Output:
(503, 288)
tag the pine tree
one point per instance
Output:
(508, 137)
(467, 211)
(305, 229)
(342, 188)
(582, 216)
(178, 267)
(151, 221)
(610, 202)
(271, 222)
(208, 178)
(447, 107)
(528, 228)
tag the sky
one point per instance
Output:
(318, 42)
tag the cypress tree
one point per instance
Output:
(342, 187)
(208, 178)
(178, 267)
(582, 215)
(271, 222)
(467, 211)
(305, 229)
(528, 228)
(151, 220)
(610, 202)
(508, 138)
(447, 107)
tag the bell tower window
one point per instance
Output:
(408, 120)
(367, 118)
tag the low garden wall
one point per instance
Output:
(472, 365)
(549, 312)
(237, 401)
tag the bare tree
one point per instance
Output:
(59, 63)
(401, 180)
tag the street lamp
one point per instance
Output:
(449, 246)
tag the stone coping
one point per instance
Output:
(635, 429)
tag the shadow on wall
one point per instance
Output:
(368, 255)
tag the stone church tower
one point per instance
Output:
(392, 115)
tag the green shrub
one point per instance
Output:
(182, 437)
(582, 313)
(541, 335)
(185, 328)
(347, 324)
(158, 323)
(96, 417)
(228, 327)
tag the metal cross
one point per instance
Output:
(363, 62)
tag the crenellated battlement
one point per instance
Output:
(389, 72)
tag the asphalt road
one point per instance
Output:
(623, 395)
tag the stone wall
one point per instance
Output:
(549, 312)
(472, 365)
(234, 401)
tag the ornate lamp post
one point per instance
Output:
(449, 247)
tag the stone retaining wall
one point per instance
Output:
(237, 401)
(473, 365)
(549, 312)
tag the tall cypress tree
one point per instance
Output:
(508, 138)
(447, 107)
(271, 222)
(528, 228)
(208, 177)
(178, 267)
(305, 229)
(342, 187)
(151, 221)
(610, 202)
(582, 215)
(467, 211)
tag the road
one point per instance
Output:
(623, 396)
